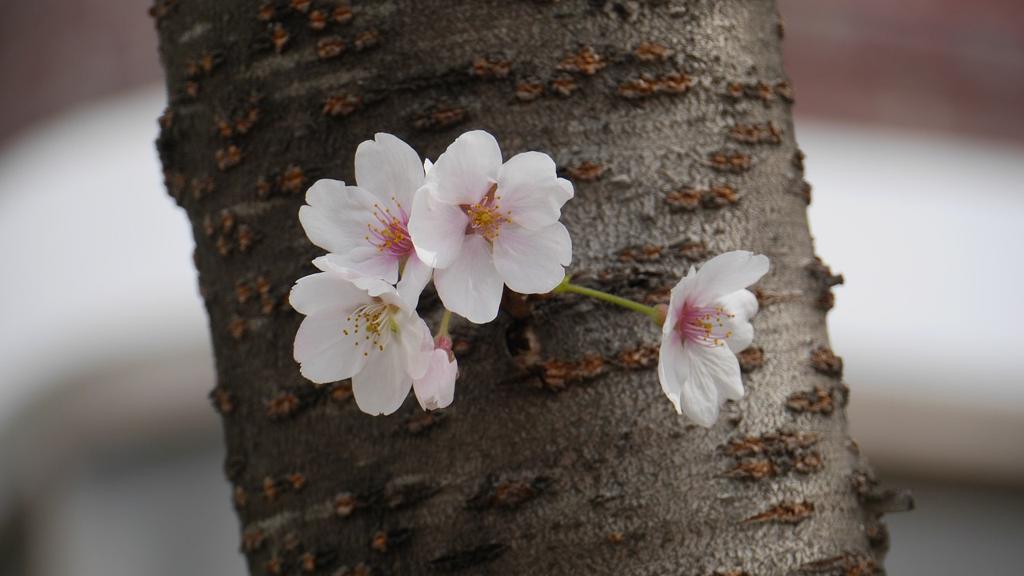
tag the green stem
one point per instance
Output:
(652, 312)
(445, 320)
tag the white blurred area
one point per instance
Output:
(929, 234)
(112, 454)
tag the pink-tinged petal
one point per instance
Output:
(673, 368)
(530, 191)
(415, 277)
(741, 306)
(325, 293)
(337, 219)
(471, 286)
(532, 261)
(336, 216)
(382, 385)
(467, 169)
(416, 342)
(390, 169)
(437, 229)
(324, 351)
(436, 389)
(727, 273)
(677, 297)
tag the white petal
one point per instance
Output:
(325, 353)
(567, 191)
(531, 261)
(530, 190)
(699, 398)
(427, 165)
(673, 367)
(698, 378)
(336, 215)
(369, 263)
(436, 389)
(711, 368)
(415, 277)
(727, 273)
(741, 305)
(471, 286)
(383, 384)
(370, 285)
(325, 292)
(390, 169)
(467, 169)
(416, 342)
(437, 229)
(719, 366)
(742, 335)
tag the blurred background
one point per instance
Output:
(910, 115)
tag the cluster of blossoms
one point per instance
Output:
(474, 225)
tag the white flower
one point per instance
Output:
(707, 323)
(360, 328)
(483, 224)
(436, 389)
(366, 226)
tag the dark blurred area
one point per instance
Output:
(58, 53)
(942, 65)
(910, 114)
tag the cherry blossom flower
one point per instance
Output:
(360, 328)
(365, 226)
(483, 224)
(436, 389)
(707, 323)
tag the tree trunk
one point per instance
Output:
(560, 455)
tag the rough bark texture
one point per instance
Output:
(560, 454)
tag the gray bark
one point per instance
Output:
(560, 454)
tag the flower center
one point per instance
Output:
(704, 325)
(485, 217)
(371, 325)
(391, 233)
